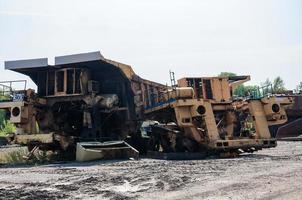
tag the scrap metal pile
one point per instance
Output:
(88, 103)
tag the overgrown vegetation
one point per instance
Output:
(17, 156)
(7, 128)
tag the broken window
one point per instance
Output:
(60, 81)
(50, 83)
(70, 81)
(77, 81)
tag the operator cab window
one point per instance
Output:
(68, 81)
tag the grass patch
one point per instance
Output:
(16, 156)
(7, 128)
(12, 155)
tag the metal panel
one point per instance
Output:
(77, 58)
(291, 129)
(30, 63)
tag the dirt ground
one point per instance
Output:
(268, 174)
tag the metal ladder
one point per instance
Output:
(172, 79)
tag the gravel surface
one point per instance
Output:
(268, 174)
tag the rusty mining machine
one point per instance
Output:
(96, 106)
(206, 118)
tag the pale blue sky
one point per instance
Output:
(262, 38)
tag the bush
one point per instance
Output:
(7, 128)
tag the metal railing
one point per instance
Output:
(258, 92)
(10, 91)
(160, 98)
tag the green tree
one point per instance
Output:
(266, 87)
(227, 74)
(239, 91)
(299, 88)
(267, 82)
(246, 90)
(278, 85)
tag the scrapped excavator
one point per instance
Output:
(94, 107)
